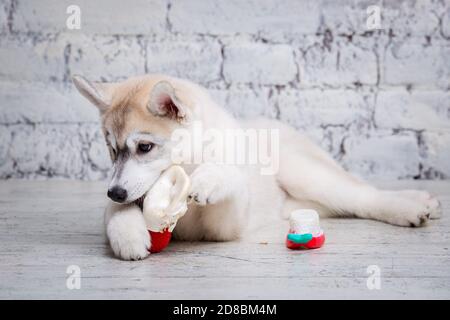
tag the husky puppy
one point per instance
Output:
(140, 115)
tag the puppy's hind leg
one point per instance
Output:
(308, 174)
(291, 204)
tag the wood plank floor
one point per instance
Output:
(47, 226)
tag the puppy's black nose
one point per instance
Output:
(117, 194)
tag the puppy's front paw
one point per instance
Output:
(130, 246)
(207, 185)
(128, 238)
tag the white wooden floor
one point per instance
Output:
(47, 226)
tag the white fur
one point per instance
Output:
(127, 232)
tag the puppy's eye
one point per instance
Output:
(145, 147)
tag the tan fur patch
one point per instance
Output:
(129, 112)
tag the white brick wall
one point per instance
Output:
(418, 110)
(338, 63)
(392, 155)
(199, 61)
(378, 101)
(98, 17)
(230, 17)
(260, 64)
(417, 62)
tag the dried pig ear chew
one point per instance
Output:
(164, 204)
(304, 231)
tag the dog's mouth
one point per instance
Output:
(140, 202)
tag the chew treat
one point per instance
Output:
(160, 240)
(304, 231)
(164, 204)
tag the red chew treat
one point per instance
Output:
(160, 240)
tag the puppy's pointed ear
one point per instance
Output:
(164, 102)
(98, 93)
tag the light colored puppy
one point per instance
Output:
(139, 117)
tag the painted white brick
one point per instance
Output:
(197, 61)
(341, 63)
(24, 58)
(330, 138)
(446, 23)
(54, 150)
(383, 155)
(259, 63)
(418, 110)
(5, 140)
(98, 153)
(43, 103)
(345, 16)
(106, 58)
(415, 18)
(245, 103)
(250, 103)
(6, 163)
(4, 9)
(314, 108)
(264, 17)
(97, 17)
(436, 160)
(410, 62)
(219, 96)
(95, 153)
